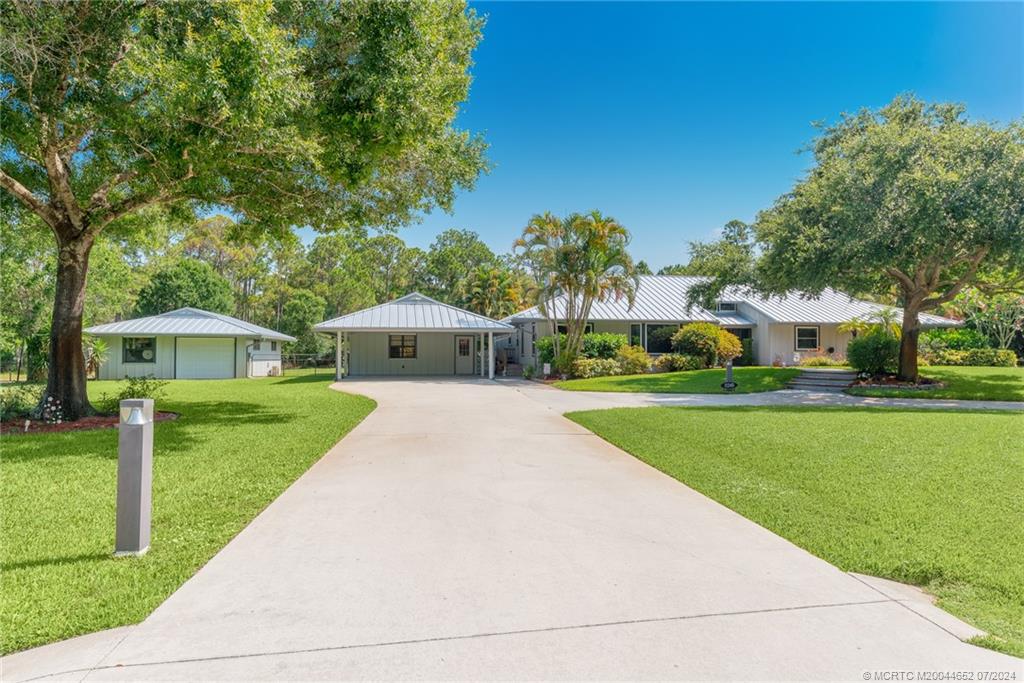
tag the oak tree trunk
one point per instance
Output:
(66, 378)
(908, 342)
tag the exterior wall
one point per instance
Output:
(435, 354)
(782, 343)
(115, 368)
(163, 368)
(263, 362)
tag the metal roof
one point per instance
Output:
(659, 298)
(414, 312)
(831, 306)
(189, 322)
(662, 298)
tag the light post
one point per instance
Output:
(729, 384)
(134, 477)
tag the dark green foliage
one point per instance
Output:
(957, 339)
(1004, 358)
(303, 310)
(747, 356)
(188, 283)
(659, 340)
(874, 353)
(595, 345)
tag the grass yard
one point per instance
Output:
(971, 383)
(237, 445)
(750, 379)
(928, 498)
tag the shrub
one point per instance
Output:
(956, 339)
(659, 339)
(821, 362)
(633, 360)
(698, 339)
(529, 371)
(20, 400)
(132, 387)
(1003, 358)
(676, 362)
(595, 345)
(747, 357)
(875, 353)
(596, 367)
(729, 346)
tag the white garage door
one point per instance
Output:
(199, 358)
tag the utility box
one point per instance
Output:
(134, 477)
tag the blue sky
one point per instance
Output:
(676, 118)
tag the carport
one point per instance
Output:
(414, 336)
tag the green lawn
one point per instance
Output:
(994, 384)
(237, 445)
(750, 379)
(932, 499)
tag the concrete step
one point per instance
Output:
(829, 374)
(822, 379)
(818, 386)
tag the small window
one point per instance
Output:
(726, 306)
(464, 349)
(806, 338)
(273, 346)
(138, 349)
(401, 346)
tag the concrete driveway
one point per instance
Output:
(465, 530)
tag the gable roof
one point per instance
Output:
(189, 322)
(414, 312)
(662, 298)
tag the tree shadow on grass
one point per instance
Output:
(50, 561)
(170, 437)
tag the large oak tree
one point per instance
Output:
(323, 114)
(913, 199)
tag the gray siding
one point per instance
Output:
(435, 354)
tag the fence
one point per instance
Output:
(307, 362)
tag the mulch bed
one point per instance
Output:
(17, 425)
(892, 382)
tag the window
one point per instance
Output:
(138, 349)
(636, 337)
(464, 347)
(401, 346)
(273, 346)
(741, 332)
(806, 338)
(587, 329)
(659, 338)
(726, 306)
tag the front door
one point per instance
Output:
(463, 355)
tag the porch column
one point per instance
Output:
(490, 354)
(481, 354)
(337, 356)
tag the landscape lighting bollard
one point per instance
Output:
(728, 384)
(134, 476)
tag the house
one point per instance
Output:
(189, 343)
(782, 330)
(414, 335)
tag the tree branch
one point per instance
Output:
(25, 196)
(965, 279)
(99, 197)
(903, 278)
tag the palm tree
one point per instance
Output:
(492, 291)
(577, 260)
(885, 320)
(98, 350)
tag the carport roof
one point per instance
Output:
(188, 322)
(412, 312)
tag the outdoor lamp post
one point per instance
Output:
(134, 477)
(729, 384)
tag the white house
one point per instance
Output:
(782, 329)
(189, 343)
(414, 335)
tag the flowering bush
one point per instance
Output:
(596, 367)
(51, 412)
(675, 362)
(822, 362)
(633, 360)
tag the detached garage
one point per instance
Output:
(414, 335)
(189, 343)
